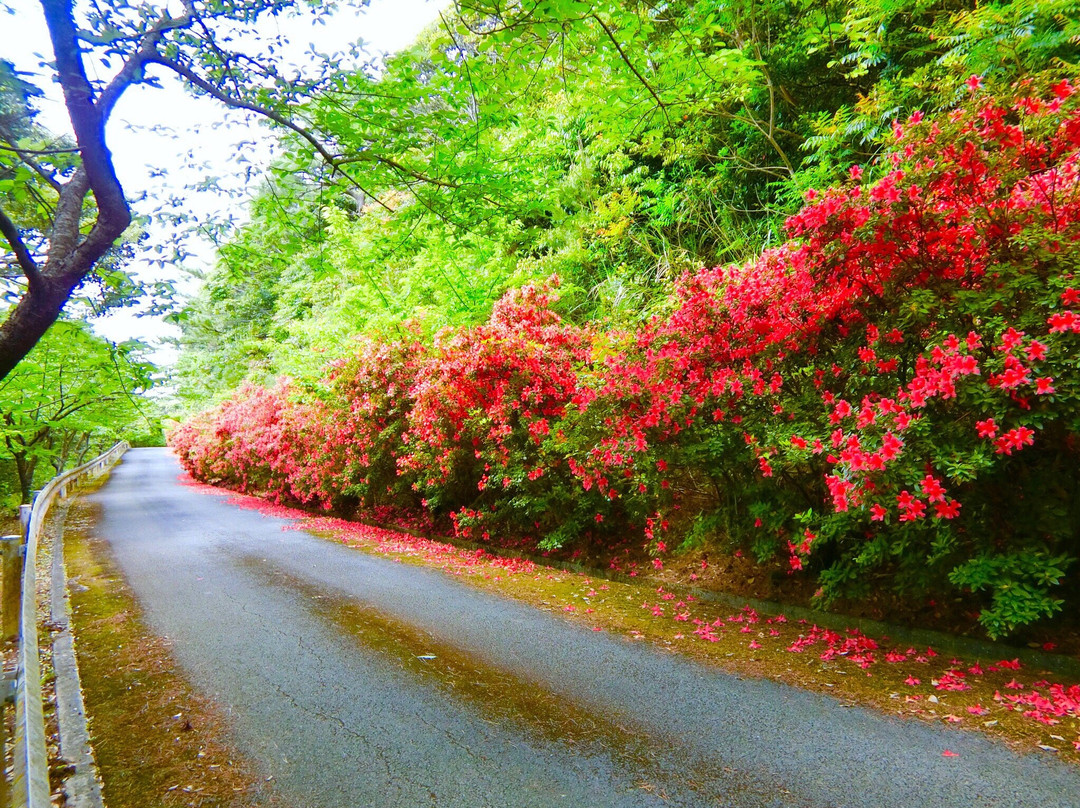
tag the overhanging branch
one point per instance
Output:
(18, 246)
(87, 119)
(630, 64)
(239, 103)
(33, 165)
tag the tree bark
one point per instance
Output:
(71, 256)
(73, 252)
(25, 468)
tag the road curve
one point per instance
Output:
(356, 681)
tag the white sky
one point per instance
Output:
(140, 155)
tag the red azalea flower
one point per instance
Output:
(947, 510)
(933, 489)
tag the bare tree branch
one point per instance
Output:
(71, 256)
(18, 246)
(239, 103)
(133, 68)
(24, 155)
(334, 161)
(87, 118)
(37, 152)
(72, 253)
(626, 59)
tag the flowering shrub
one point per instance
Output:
(893, 394)
(870, 396)
(947, 404)
(373, 388)
(268, 442)
(234, 442)
(480, 440)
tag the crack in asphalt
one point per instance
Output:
(310, 706)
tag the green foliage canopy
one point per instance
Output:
(616, 145)
(74, 394)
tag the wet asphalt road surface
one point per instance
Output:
(359, 682)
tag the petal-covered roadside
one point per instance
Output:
(1033, 709)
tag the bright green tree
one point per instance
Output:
(75, 393)
(62, 208)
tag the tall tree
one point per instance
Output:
(64, 209)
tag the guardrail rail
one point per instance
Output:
(29, 785)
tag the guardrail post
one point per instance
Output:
(30, 769)
(10, 597)
(10, 589)
(5, 784)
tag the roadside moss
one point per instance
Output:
(156, 740)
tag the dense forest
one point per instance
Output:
(643, 281)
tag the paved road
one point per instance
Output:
(360, 682)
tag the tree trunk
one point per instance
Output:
(82, 449)
(25, 468)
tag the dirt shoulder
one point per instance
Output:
(157, 741)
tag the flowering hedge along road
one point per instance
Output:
(892, 395)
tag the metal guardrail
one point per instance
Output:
(29, 787)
